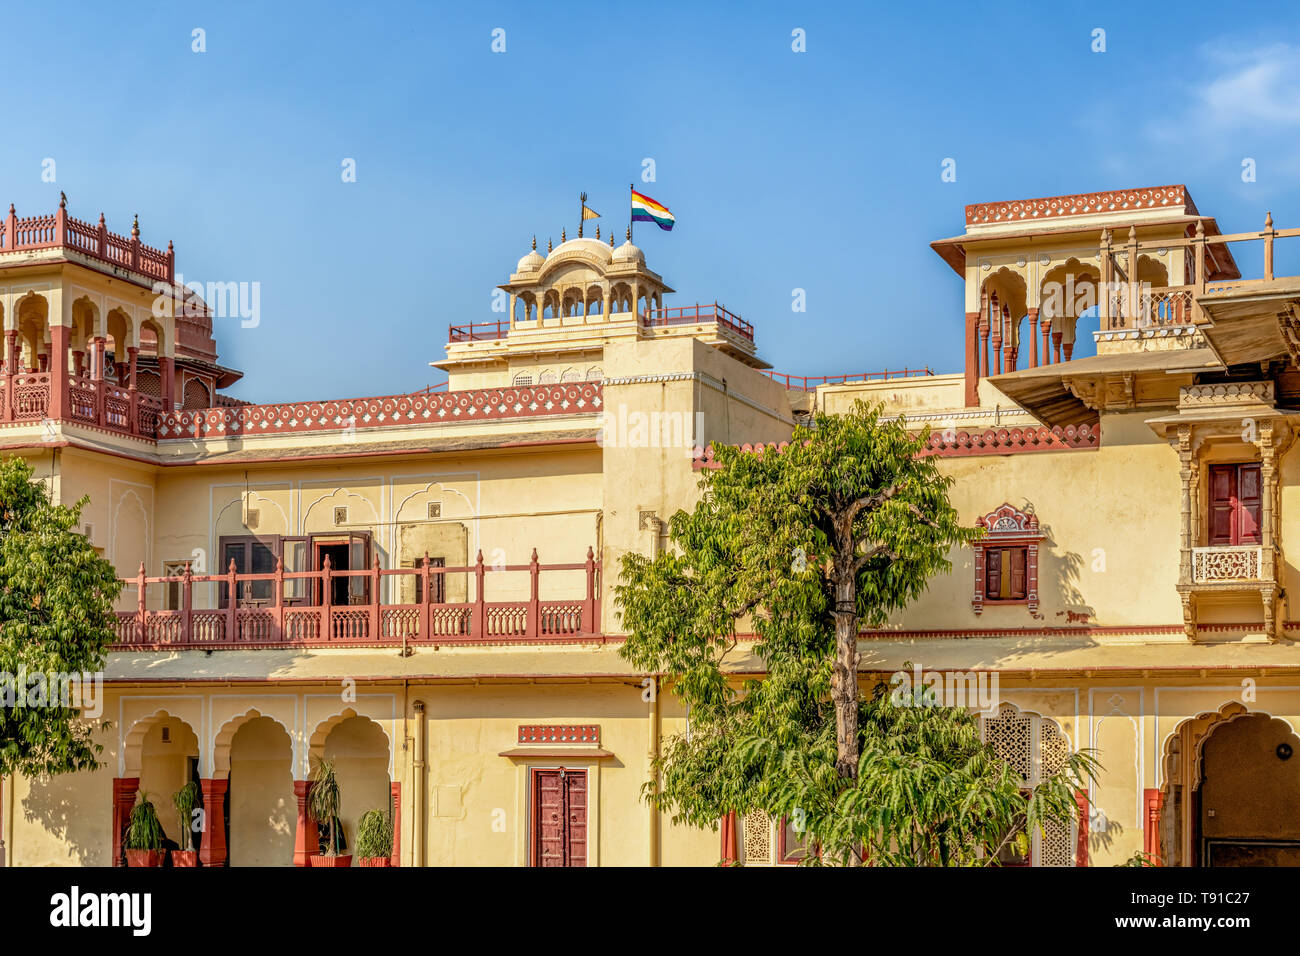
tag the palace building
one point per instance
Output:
(420, 587)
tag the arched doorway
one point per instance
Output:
(262, 811)
(1232, 791)
(359, 750)
(162, 752)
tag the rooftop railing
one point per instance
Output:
(95, 241)
(478, 331)
(698, 315)
(302, 609)
(1130, 305)
(809, 383)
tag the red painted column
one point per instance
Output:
(396, 790)
(213, 850)
(132, 351)
(59, 337)
(1153, 801)
(124, 790)
(730, 850)
(1009, 341)
(1033, 338)
(306, 839)
(972, 358)
(1047, 340)
(1081, 847)
(1056, 346)
(167, 367)
(11, 351)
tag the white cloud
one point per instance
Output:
(1256, 88)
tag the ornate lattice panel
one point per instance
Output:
(1055, 845)
(1011, 736)
(1053, 748)
(757, 832)
(1227, 563)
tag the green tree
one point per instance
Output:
(806, 545)
(56, 617)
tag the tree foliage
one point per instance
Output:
(803, 547)
(56, 617)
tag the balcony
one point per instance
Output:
(297, 609)
(25, 397)
(1228, 564)
(61, 231)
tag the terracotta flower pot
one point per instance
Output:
(185, 857)
(317, 859)
(145, 857)
(375, 861)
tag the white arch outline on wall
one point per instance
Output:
(132, 741)
(316, 741)
(239, 501)
(397, 512)
(112, 531)
(223, 738)
(347, 493)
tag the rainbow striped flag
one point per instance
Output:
(645, 209)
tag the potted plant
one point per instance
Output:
(323, 803)
(185, 800)
(375, 839)
(144, 835)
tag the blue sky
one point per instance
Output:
(817, 170)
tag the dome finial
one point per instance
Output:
(548, 245)
(611, 238)
(629, 233)
(598, 231)
(563, 238)
(534, 243)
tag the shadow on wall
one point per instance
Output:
(1059, 595)
(58, 806)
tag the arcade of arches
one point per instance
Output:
(253, 800)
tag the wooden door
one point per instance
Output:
(1236, 496)
(559, 818)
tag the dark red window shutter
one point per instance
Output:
(1018, 576)
(993, 573)
(1249, 498)
(1223, 496)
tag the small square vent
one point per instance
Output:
(341, 515)
(166, 735)
(435, 509)
(253, 518)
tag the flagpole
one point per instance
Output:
(582, 212)
(631, 188)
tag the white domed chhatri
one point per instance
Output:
(592, 246)
(531, 262)
(629, 253)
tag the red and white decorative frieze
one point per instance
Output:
(560, 734)
(487, 404)
(1082, 204)
(1006, 441)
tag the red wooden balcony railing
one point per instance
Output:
(478, 331)
(25, 397)
(808, 383)
(263, 616)
(696, 315)
(61, 231)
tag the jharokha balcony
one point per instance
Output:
(331, 608)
